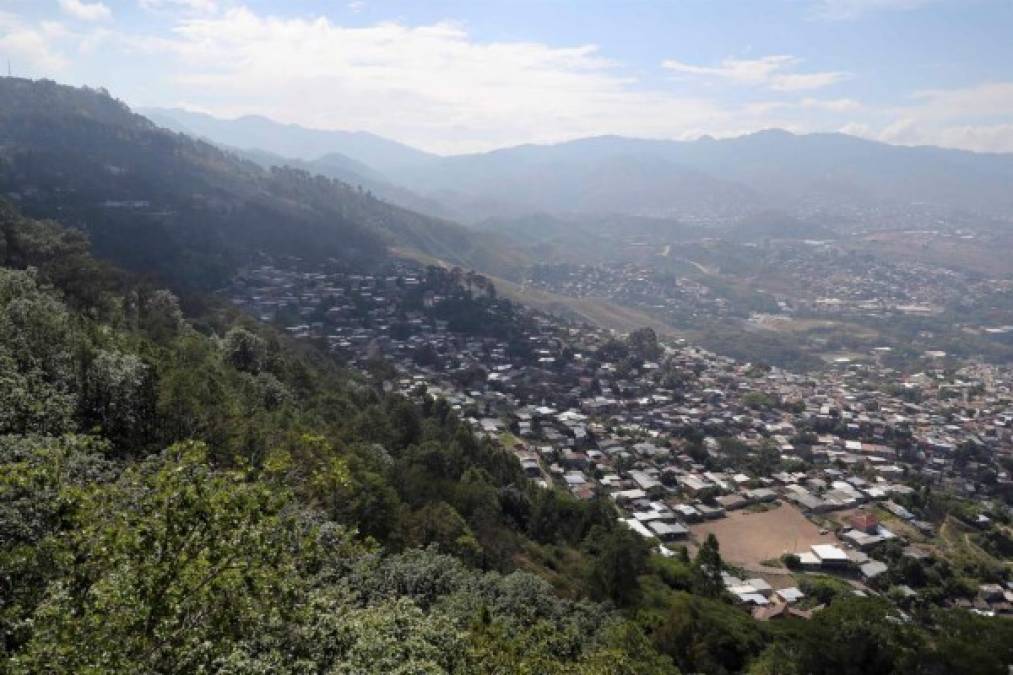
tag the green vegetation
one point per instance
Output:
(175, 501)
(822, 590)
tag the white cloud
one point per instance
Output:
(199, 6)
(31, 49)
(356, 6)
(843, 10)
(904, 131)
(835, 105)
(86, 11)
(760, 108)
(982, 100)
(856, 129)
(983, 138)
(772, 72)
(438, 87)
(805, 81)
(754, 71)
(432, 85)
(978, 117)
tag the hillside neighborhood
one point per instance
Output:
(827, 475)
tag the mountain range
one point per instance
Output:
(187, 211)
(195, 210)
(290, 140)
(707, 180)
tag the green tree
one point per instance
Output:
(707, 568)
(38, 380)
(440, 524)
(619, 558)
(703, 635)
(643, 343)
(161, 316)
(169, 569)
(853, 636)
(118, 397)
(243, 350)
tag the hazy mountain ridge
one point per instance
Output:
(711, 181)
(290, 140)
(228, 133)
(770, 169)
(354, 173)
(162, 202)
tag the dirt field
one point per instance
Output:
(747, 539)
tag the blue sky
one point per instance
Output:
(454, 76)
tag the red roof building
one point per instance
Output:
(866, 522)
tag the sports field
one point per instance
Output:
(747, 539)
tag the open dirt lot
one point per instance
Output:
(747, 539)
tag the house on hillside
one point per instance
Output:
(865, 522)
(829, 555)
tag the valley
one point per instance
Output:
(785, 274)
(278, 399)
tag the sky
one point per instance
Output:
(453, 76)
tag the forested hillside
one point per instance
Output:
(178, 496)
(186, 494)
(160, 202)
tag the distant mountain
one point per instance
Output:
(716, 180)
(336, 165)
(290, 140)
(622, 184)
(162, 202)
(356, 174)
(253, 137)
(817, 184)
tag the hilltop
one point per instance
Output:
(165, 203)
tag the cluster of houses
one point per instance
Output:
(766, 602)
(828, 280)
(992, 600)
(868, 286)
(631, 284)
(680, 436)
